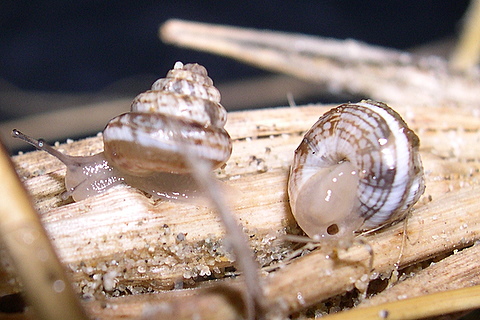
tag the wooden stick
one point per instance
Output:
(46, 286)
(452, 272)
(429, 305)
(340, 66)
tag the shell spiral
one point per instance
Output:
(180, 111)
(357, 168)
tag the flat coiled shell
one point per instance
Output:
(181, 111)
(357, 168)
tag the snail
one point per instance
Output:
(146, 147)
(357, 169)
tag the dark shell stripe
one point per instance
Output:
(182, 110)
(382, 149)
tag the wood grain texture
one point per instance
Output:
(340, 66)
(123, 243)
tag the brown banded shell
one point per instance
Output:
(181, 111)
(357, 168)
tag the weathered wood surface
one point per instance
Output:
(340, 66)
(122, 242)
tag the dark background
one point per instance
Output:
(88, 46)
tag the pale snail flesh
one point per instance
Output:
(358, 168)
(146, 147)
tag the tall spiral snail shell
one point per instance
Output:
(358, 168)
(146, 147)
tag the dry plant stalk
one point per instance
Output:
(47, 288)
(432, 305)
(341, 66)
(133, 243)
(253, 293)
(449, 273)
(467, 53)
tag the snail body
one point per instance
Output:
(146, 147)
(358, 168)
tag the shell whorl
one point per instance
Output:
(181, 111)
(357, 168)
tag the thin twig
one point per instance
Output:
(201, 171)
